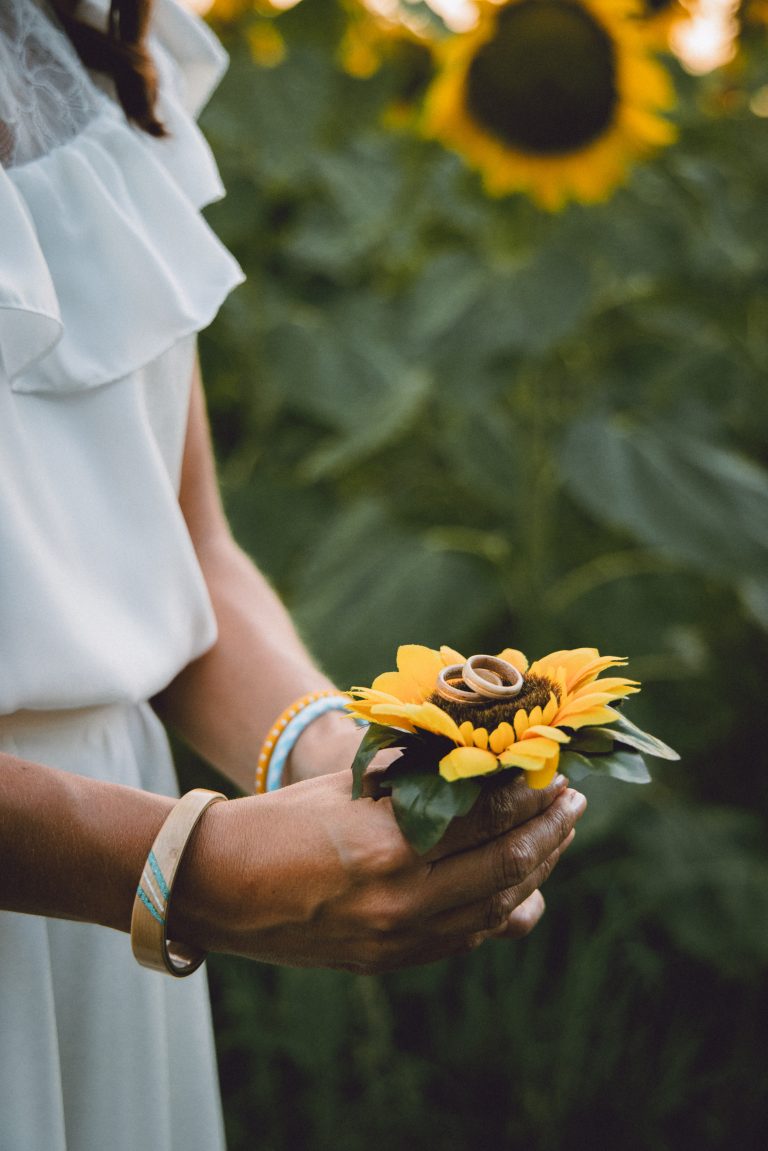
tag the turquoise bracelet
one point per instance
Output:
(286, 741)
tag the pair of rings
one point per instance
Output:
(481, 679)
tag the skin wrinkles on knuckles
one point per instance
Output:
(364, 875)
(517, 861)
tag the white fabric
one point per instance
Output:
(45, 97)
(97, 1053)
(107, 272)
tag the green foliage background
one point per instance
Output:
(445, 419)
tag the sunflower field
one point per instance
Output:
(499, 377)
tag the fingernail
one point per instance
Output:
(576, 801)
(559, 782)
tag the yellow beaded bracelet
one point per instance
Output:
(277, 729)
(149, 940)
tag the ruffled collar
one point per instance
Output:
(109, 261)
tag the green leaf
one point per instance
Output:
(376, 738)
(554, 296)
(687, 496)
(628, 766)
(450, 283)
(754, 596)
(575, 766)
(592, 741)
(623, 731)
(424, 804)
(372, 584)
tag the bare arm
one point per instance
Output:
(303, 876)
(345, 892)
(224, 703)
(72, 847)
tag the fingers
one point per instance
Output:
(465, 929)
(505, 862)
(492, 914)
(497, 811)
(523, 919)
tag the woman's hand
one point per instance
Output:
(306, 877)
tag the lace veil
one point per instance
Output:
(46, 95)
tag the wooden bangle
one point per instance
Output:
(149, 941)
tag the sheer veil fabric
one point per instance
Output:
(107, 272)
(45, 97)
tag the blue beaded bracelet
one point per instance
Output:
(286, 741)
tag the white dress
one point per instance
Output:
(107, 272)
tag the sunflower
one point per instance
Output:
(372, 42)
(553, 698)
(661, 16)
(553, 97)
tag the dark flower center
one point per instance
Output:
(546, 81)
(653, 7)
(535, 692)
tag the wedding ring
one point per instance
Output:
(450, 685)
(487, 673)
(481, 678)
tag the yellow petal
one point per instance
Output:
(610, 684)
(543, 777)
(367, 696)
(535, 716)
(530, 754)
(429, 717)
(590, 671)
(394, 684)
(466, 762)
(516, 658)
(598, 715)
(543, 729)
(550, 711)
(480, 738)
(573, 661)
(502, 737)
(389, 717)
(449, 656)
(420, 665)
(521, 723)
(467, 731)
(573, 706)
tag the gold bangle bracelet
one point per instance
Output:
(149, 940)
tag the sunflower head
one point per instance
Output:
(373, 43)
(555, 97)
(494, 712)
(662, 19)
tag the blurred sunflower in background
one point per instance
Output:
(555, 98)
(226, 11)
(373, 40)
(265, 41)
(661, 17)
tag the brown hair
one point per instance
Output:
(120, 52)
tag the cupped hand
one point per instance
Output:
(307, 877)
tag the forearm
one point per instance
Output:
(72, 847)
(303, 877)
(224, 703)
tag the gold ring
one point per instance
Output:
(486, 675)
(448, 686)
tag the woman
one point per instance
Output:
(120, 584)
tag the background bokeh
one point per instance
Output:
(446, 418)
